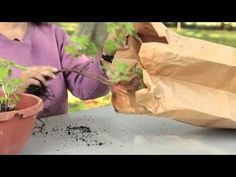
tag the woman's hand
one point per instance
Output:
(35, 75)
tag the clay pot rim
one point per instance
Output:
(24, 113)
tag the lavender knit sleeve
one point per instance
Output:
(80, 86)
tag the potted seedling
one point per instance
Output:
(18, 112)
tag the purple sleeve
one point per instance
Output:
(81, 86)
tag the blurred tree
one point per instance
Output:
(226, 26)
(96, 31)
(178, 26)
(222, 25)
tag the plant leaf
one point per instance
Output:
(3, 73)
(110, 46)
(71, 50)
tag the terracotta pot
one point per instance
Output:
(16, 126)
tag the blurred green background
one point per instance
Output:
(218, 32)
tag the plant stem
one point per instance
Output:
(18, 66)
(4, 91)
(91, 75)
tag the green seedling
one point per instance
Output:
(8, 84)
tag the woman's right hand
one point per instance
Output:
(35, 75)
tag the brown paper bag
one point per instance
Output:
(188, 80)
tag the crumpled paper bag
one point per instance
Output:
(188, 80)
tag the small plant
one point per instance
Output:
(8, 85)
(119, 32)
(82, 45)
(17, 125)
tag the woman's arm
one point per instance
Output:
(81, 86)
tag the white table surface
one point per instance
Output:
(127, 134)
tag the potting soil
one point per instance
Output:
(76, 132)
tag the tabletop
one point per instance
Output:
(104, 131)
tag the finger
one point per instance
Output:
(27, 73)
(29, 82)
(40, 78)
(49, 68)
(47, 73)
(34, 71)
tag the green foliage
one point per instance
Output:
(4, 70)
(119, 70)
(218, 36)
(8, 84)
(126, 27)
(81, 45)
(72, 51)
(110, 46)
(11, 85)
(118, 31)
(139, 73)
